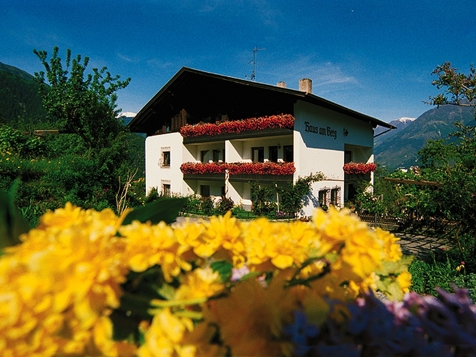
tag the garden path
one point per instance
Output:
(420, 245)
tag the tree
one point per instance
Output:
(80, 102)
(451, 162)
(459, 88)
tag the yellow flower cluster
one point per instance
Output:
(58, 288)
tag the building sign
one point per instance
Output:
(327, 131)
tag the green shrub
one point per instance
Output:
(262, 197)
(444, 269)
(206, 206)
(192, 205)
(224, 205)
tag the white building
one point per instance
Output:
(323, 137)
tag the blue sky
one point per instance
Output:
(373, 56)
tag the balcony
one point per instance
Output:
(239, 171)
(359, 168)
(274, 125)
(355, 171)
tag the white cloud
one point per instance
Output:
(158, 63)
(322, 74)
(127, 114)
(127, 58)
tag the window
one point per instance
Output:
(288, 155)
(351, 192)
(273, 153)
(204, 190)
(165, 158)
(216, 155)
(323, 199)
(335, 196)
(257, 154)
(166, 189)
(347, 156)
(203, 155)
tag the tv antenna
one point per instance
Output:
(253, 61)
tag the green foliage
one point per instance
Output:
(80, 102)
(262, 197)
(12, 222)
(18, 96)
(459, 88)
(86, 166)
(224, 268)
(241, 213)
(193, 204)
(292, 196)
(164, 209)
(14, 141)
(444, 269)
(224, 205)
(206, 206)
(141, 288)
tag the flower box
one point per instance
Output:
(359, 168)
(282, 121)
(239, 168)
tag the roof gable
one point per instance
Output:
(208, 95)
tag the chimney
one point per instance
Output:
(281, 84)
(305, 85)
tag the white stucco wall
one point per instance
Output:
(320, 138)
(156, 175)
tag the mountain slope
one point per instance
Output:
(400, 124)
(19, 98)
(401, 149)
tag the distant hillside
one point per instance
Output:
(400, 123)
(401, 148)
(19, 98)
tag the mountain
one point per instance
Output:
(126, 117)
(401, 148)
(400, 123)
(19, 97)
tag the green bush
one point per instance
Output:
(206, 206)
(224, 205)
(443, 269)
(262, 197)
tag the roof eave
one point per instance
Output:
(138, 124)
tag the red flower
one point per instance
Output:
(239, 168)
(237, 126)
(359, 168)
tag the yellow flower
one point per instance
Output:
(251, 317)
(61, 281)
(393, 251)
(404, 279)
(281, 245)
(201, 282)
(148, 245)
(226, 231)
(165, 336)
(58, 287)
(220, 235)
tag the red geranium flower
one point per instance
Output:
(239, 168)
(237, 126)
(359, 168)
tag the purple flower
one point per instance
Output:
(237, 274)
(462, 306)
(345, 349)
(300, 331)
(438, 320)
